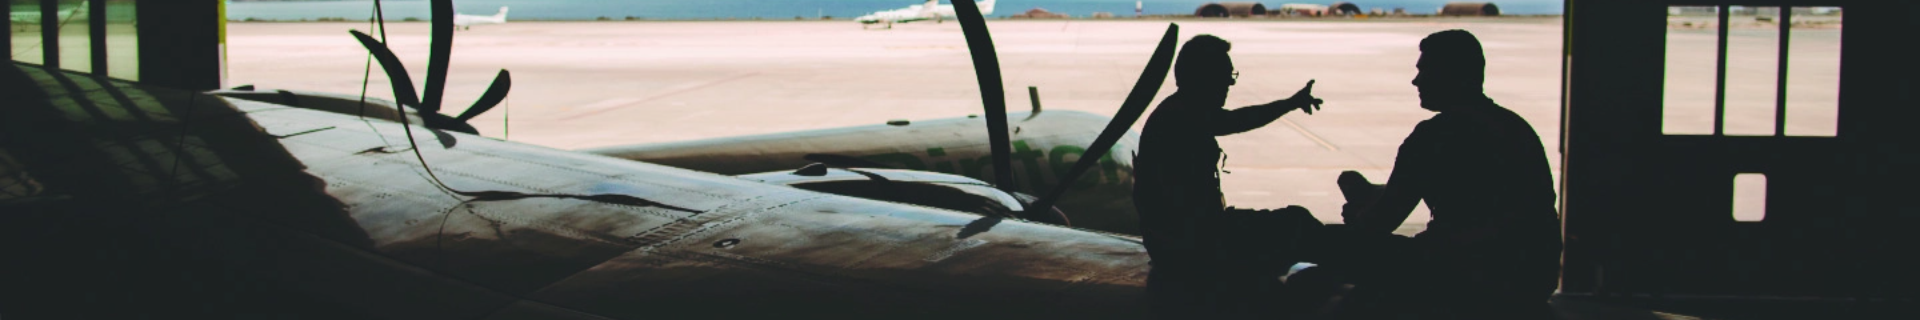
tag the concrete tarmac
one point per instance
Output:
(591, 84)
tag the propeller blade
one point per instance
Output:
(396, 73)
(495, 93)
(986, 68)
(1130, 111)
(439, 54)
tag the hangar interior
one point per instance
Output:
(1647, 216)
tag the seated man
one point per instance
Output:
(1492, 250)
(1209, 261)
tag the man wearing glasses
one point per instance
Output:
(1184, 220)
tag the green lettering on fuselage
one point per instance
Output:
(1060, 164)
(1030, 158)
(973, 167)
(940, 166)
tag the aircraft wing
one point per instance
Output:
(123, 199)
(1045, 144)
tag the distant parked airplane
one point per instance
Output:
(466, 21)
(932, 10)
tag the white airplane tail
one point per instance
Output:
(930, 5)
(465, 21)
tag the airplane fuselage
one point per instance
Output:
(1042, 148)
(929, 11)
(466, 21)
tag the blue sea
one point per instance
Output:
(765, 9)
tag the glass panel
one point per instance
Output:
(1749, 197)
(123, 45)
(1692, 52)
(1753, 70)
(75, 45)
(23, 24)
(1813, 72)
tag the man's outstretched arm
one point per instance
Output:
(1226, 122)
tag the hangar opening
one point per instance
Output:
(1303, 9)
(1231, 9)
(1344, 8)
(1470, 9)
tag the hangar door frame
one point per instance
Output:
(1649, 214)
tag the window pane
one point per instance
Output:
(1692, 51)
(123, 46)
(1749, 197)
(23, 18)
(1753, 70)
(75, 47)
(1813, 72)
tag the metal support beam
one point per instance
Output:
(1780, 88)
(8, 44)
(50, 33)
(1720, 76)
(97, 32)
(181, 43)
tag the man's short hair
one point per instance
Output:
(1201, 60)
(1454, 51)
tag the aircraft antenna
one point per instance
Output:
(506, 123)
(1033, 93)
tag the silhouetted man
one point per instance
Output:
(1177, 185)
(1492, 249)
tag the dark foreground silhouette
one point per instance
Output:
(1492, 249)
(1490, 252)
(1209, 260)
